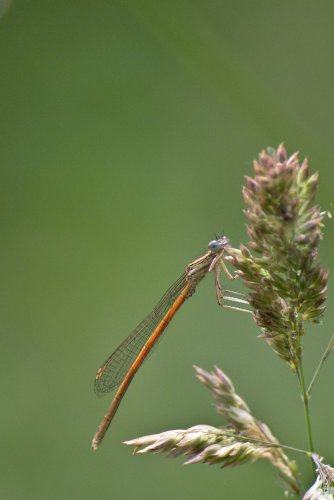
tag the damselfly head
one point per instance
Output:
(217, 245)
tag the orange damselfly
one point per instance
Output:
(120, 368)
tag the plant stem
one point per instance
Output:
(268, 444)
(305, 399)
(323, 359)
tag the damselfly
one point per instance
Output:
(120, 368)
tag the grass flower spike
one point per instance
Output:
(245, 439)
(239, 417)
(287, 285)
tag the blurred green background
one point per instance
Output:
(126, 130)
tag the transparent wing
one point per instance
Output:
(111, 373)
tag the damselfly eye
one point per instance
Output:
(215, 245)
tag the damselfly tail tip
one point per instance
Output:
(95, 443)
